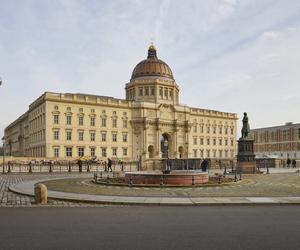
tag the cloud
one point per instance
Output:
(239, 55)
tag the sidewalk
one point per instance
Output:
(27, 188)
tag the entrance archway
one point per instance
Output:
(151, 151)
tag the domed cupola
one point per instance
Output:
(152, 66)
(152, 81)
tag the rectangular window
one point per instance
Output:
(195, 140)
(103, 122)
(124, 151)
(56, 119)
(195, 153)
(201, 153)
(56, 152)
(226, 142)
(220, 142)
(114, 152)
(207, 153)
(207, 141)
(214, 142)
(114, 137)
(80, 152)
(92, 121)
(201, 141)
(103, 136)
(208, 129)
(231, 131)
(93, 152)
(68, 135)
(124, 137)
(80, 120)
(231, 142)
(146, 91)
(214, 130)
(166, 93)
(201, 129)
(92, 134)
(214, 153)
(69, 120)
(220, 153)
(125, 123)
(103, 152)
(226, 131)
(160, 92)
(80, 136)
(69, 152)
(114, 123)
(152, 91)
(141, 91)
(56, 135)
(220, 130)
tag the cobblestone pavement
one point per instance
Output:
(10, 199)
(264, 185)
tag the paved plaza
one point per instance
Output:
(71, 189)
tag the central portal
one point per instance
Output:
(164, 145)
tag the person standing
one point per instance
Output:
(109, 164)
(294, 163)
(80, 165)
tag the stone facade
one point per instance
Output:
(279, 141)
(149, 123)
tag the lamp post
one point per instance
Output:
(3, 153)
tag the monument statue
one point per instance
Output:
(246, 127)
(246, 158)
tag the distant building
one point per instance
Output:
(281, 141)
(149, 124)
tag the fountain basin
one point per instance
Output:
(177, 177)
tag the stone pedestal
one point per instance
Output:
(40, 193)
(246, 158)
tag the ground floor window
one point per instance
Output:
(56, 152)
(80, 152)
(124, 151)
(69, 152)
(103, 152)
(93, 152)
(114, 151)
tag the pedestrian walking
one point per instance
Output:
(288, 162)
(294, 163)
(109, 164)
(80, 165)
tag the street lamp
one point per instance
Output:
(3, 154)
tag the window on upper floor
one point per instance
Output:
(80, 120)
(56, 119)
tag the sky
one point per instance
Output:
(226, 55)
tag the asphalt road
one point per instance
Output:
(206, 227)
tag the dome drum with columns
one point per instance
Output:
(152, 80)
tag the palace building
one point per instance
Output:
(149, 124)
(280, 141)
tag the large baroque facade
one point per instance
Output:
(149, 124)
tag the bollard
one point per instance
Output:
(107, 179)
(40, 193)
(101, 174)
(219, 179)
(268, 169)
(9, 170)
(30, 168)
(235, 177)
(88, 168)
(240, 175)
(95, 176)
(193, 180)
